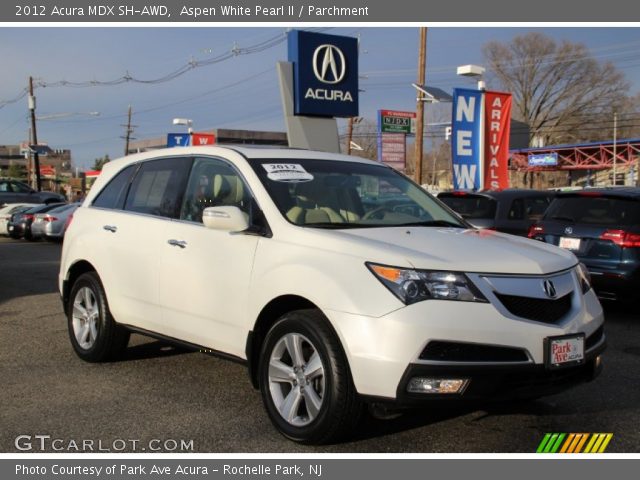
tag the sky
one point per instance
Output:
(240, 92)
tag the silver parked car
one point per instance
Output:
(53, 224)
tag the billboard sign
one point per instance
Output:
(467, 139)
(497, 126)
(325, 74)
(178, 140)
(543, 159)
(392, 150)
(391, 121)
(203, 139)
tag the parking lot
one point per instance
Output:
(159, 392)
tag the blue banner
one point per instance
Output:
(467, 139)
(325, 74)
(543, 159)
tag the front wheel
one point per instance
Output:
(94, 334)
(305, 380)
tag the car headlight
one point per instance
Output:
(584, 276)
(412, 286)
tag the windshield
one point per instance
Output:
(339, 194)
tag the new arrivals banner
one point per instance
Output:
(497, 121)
(467, 138)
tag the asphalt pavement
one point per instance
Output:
(169, 399)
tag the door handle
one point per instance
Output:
(177, 243)
(110, 228)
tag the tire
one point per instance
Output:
(319, 402)
(94, 334)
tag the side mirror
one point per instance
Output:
(229, 219)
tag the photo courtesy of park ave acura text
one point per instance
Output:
(316, 240)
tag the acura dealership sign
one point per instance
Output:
(325, 74)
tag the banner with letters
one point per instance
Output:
(480, 139)
(466, 141)
(497, 123)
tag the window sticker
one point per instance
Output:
(287, 172)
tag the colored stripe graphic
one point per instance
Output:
(574, 443)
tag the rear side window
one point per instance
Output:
(158, 187)
(112, 196)
(471, 206)
(529, 208)
(620, 212)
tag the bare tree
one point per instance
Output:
(559, 89)
(365, 135)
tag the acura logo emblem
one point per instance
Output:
(329, 65)
(568, 230)
(549, 288)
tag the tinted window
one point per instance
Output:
(112, 196)
(595, 211)
(158, 187)
(530, 208)
(213, 183)
(4, 187)
(20, 187)
(471, 206)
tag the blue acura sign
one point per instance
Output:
(325, 74)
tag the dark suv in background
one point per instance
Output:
(509, 211)
(602, 228)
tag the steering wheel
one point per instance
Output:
(375, 213)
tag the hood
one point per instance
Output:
(479, 251)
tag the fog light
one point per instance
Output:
(436, 385)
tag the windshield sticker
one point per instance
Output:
(287, 172)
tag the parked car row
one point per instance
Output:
(600, 226)
(35, 222)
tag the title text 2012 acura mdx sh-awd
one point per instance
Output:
(335, 279)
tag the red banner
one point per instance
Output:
(497, 121)
(202, 139)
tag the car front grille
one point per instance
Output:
(471, 352)
(537, 309)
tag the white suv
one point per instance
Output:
(337, 281)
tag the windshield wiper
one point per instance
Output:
(561, 217)
(431, 223)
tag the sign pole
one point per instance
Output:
(34, 135)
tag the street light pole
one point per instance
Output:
(422, 61)
(34, 135)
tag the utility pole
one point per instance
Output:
(349, 135)
(615, 146)
(129, 130)
(34, 135)
(422, 61)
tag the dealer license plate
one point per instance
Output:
(564, 351)
(570, 243)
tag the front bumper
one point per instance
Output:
(500, 382)
(381, 350)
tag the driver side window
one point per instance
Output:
(213, 183)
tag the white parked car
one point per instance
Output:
(9, 209)
(337, 281)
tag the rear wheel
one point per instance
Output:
(305, 380)
(93, 332)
